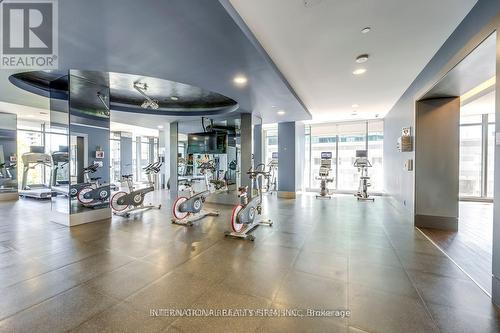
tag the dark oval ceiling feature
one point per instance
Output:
(134, 93)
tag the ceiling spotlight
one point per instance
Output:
(174, 98)
(366, 30)
(240, 80)
(362, 58)
(160, 126)
(281, 112)
(359, 71)
(355, 105)
(149, 103)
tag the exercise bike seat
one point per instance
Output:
(95, 178)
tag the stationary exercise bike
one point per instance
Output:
(124, 203)
(243, 217)
(324, 175)
(92, 194)
(187, 210)
(363, 164)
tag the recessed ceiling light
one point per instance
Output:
(160, 126)
(355, 105)
(362, 58)
(377, 115)
(240, 80)
(174, 98)
(366, 30)
(359, 71)
(281, 112)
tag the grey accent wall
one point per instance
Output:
(436, 163)
(286, 157)
(398, 182)
(174, 150)
(258, 145)
(291, 158)
(246, 148)
(126, 154)
(300, 152)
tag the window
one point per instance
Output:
(470, 160)
(134, 158)
(342, 140)
(115, 158)
(271, 144)
(477, 147)
(352, 138)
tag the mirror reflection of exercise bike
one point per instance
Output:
(324, 175)
(363, 164)
(124, 203)
(187, 210)
(244, 216)
(91, 193)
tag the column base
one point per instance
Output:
(71, 220)
(10, 196)
(287, 195)
(436, 222)
(495, 290)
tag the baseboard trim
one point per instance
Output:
(10, 196)
(495, 290)
(287, 195)
(436, 222)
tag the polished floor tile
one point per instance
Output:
(365, 258)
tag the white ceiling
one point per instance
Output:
(314, 43)
(482, 105)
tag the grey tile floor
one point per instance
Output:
(336, 254)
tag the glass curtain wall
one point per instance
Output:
(342, 140)
(477, 149)
(115, 138)
(270, 144)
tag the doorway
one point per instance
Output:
(454, 173)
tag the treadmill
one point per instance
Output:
(60, 160)
(35, 157)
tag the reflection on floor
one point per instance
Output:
(335, 254)
(471, 246)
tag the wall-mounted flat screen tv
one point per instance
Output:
(207, 143)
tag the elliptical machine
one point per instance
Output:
(186, 210)
(124, 203)
(91, 194)
(272, 179)
(324, 175)
(243, 217)
(363, 164)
